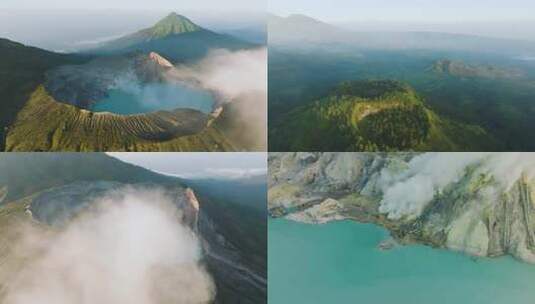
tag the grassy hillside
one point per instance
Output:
(373, 115)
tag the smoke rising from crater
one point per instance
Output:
(128, 248)
(240, 79)
(407, 192)
(230, 73)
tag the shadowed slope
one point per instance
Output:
(22, 69)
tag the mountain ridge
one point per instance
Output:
(299, 29)
(174, 37)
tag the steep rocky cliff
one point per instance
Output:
(478, 203)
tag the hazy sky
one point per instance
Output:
(199, 164)
(226, 5)
(408, 10)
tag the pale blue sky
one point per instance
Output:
(199, 164)
(223, 5)
(408, 10)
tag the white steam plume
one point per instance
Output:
(129, 248)
(407, 193)
(239, 78)
(229, 73)
(507, 168)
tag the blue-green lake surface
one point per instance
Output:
(154, 97)
(339, 262)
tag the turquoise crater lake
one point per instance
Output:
(339, 262)
(154, 97)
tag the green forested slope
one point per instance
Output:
(374, 115)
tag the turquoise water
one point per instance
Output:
(339, 263)
(154, 97)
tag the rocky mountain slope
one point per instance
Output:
(481, 204)
(374, 115)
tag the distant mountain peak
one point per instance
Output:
(302, 18)
(173, 24)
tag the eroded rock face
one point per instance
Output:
(160, 60)
(473, 210)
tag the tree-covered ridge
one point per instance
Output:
(355, 100)
(374, 115)
(379, 114)
(461, 69)
(372, 89)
